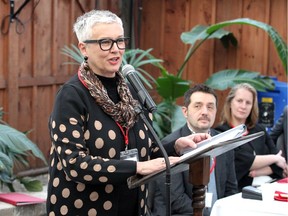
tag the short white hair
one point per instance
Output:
(84, 24)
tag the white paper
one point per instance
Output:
(213, 141)
(259, 180)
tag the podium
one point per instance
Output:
(199, 177)
(198, 163)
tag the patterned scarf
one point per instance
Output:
(123, 112)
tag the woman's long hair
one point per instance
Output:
(254, 114)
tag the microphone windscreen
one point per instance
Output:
(126, 69)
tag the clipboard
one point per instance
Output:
(211, 149)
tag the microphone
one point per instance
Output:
(131, 75)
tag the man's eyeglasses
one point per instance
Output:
(107, 43)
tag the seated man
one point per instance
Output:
(200, 106)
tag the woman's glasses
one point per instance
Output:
(107, 43)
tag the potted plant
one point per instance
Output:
(15, 150)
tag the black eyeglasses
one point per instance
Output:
(107, 43)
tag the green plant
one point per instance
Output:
(15, 149)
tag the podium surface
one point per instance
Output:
(207, 150)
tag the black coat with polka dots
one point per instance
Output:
(85, 171)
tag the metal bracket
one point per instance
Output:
(12, 5)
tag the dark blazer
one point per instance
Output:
(181, 189)
(279, 132)
(245, 155)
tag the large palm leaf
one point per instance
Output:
(228, 78)
(199, 34)
(279, 43)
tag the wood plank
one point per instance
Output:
(173, 47)
(152, 34)
(227, 58)
(42, 39)
(199, 64)
(279, 23)
(12, 84)
(254, 40)
(43, 81)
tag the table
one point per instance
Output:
(237, 206)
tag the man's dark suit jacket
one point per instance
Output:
(181, 190)
(279, 132)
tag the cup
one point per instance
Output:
(268, 192)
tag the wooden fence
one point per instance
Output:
(31, 64)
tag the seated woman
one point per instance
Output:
(259, 157)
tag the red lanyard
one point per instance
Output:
(82, 81)
(213, 165)
(125, 134)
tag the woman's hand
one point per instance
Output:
(189, 141)
(280, 160)
(148, 167)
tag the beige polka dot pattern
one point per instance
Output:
(143, 152)
(112, 152)
(99, 143)
(76, 134)
(88, 177)
(53, 125)
(107, 205)
(103, 179)
(78, 203)
(51, 214)
(112, 134)
(62, 128)
(141, 134)
(92, 212)
(84, 165)
(98, 125)
(94, 196)
(66, 193)
(87, 135)
(73, 121)
(64, 210)
(53, 199)
(56, 182)
(97, 167)
(80, 187)
(109, 188)
(111, 169)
